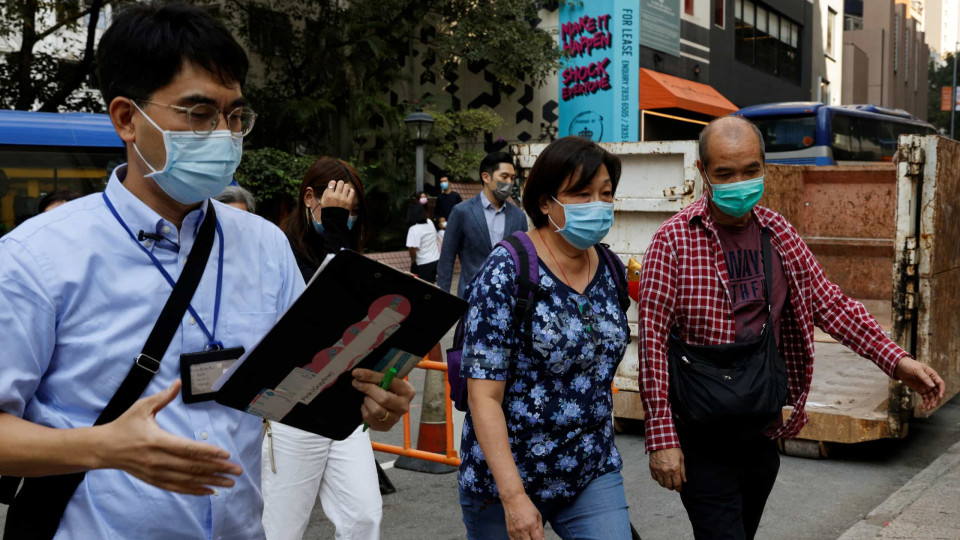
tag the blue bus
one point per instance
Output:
(44, 152)
(811, 133)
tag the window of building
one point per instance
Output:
(269, 30)
(896, 42)
(688, 7)
(718, 6)
(766, 40)
(906, 58)
(852, 22)
(831, 26)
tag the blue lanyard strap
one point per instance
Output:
(213, 343)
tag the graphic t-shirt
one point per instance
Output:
(744, 258)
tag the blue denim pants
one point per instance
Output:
(599, 512)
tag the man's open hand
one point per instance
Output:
(138, 446)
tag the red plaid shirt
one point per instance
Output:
(684, 285)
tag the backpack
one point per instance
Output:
(524, 256)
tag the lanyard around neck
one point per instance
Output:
(212, 344)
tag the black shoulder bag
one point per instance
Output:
(35, 511)
(736, 388)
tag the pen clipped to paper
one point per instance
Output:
(384, 384)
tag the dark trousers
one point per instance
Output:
(728, 482)
(428, 271)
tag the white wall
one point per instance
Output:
(702, 13)
(827, 64)
(947, 19)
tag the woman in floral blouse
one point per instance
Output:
(538, 437)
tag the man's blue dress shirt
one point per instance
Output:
(78, 299)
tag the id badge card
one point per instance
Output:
(199, 371)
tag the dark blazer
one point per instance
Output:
(467, 236)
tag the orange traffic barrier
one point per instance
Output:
(451, 458)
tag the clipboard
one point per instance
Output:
(354, 313)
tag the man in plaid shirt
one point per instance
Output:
(703, 279)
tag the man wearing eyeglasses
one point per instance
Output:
(81, 290)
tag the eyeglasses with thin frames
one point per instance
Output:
(203, 118)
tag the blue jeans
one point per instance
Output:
(599, 512)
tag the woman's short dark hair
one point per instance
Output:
(146, 45)
(570, 157)
(416, 213)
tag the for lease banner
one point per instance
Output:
(600, 71)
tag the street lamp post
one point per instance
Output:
(953, 95)
(419, 125)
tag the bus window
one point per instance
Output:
(844, 138)
(786, 133)
(877, 140)
(29, 173)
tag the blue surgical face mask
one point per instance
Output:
(738, 198)
(198, 166)
(585, 223)
(317, 226)
(351, 221)
(444, 185)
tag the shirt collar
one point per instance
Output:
(487, 205)
(140, 217)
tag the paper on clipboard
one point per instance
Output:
(236, 365)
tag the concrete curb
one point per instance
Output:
(870, 526)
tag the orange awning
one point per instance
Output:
(661, 91)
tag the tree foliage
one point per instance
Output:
(329, 66)
(34, 78)
(458, 139)
(941, 75)
(270, 173)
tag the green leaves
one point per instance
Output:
(272, 174)
(458, 139)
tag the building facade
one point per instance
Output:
(896, 57)
(747, 51)
(942, 26)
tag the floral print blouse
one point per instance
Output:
(557, 402)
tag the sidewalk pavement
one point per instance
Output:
(926, 507)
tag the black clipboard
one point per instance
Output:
(355, 312)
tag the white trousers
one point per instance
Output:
(343, 472)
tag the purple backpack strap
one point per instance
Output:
(526, 256)
(619, 272)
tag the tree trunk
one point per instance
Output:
(83, 70)
(25, 90)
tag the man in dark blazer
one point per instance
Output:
(478, 224)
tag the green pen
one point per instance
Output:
(385, 383)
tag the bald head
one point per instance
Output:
(733, 130)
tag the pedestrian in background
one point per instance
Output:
(422, 243)
(710, 296)
(297, 465)
(538, 436)
(447, 199)
(54, 199)
(478, 224)
(238, 197)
